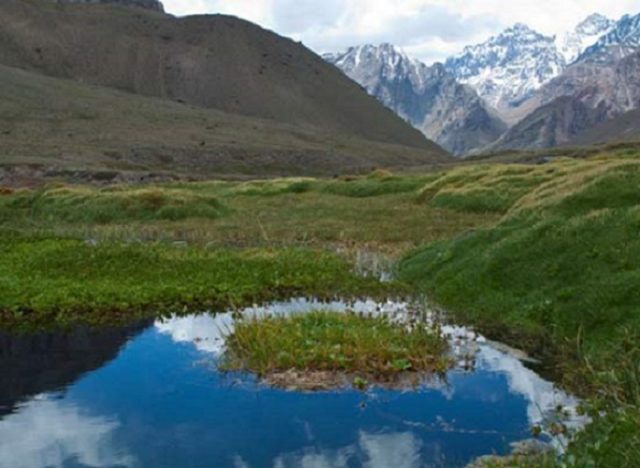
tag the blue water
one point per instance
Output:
(142, 397)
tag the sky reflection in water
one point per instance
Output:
(160, 402)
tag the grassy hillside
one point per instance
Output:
(61, 125)
(559, 273)
(210, 61)
(565, 249)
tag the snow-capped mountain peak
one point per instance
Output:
(509, 67)
(594, 25)
(520, 32)
(467, 102)
(428, 97)
(585, 34)
(621, 40)
(368, 64)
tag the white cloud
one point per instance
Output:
(428, 29)
(258, 11)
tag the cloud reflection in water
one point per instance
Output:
(47, 432)
(207, 333)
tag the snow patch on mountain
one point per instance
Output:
(428, 97)
(370, 65)
(585, 34)
(622, 40)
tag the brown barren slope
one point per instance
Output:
(624, 128)
(209, 61)
(51, 126)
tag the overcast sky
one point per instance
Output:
(427, 29)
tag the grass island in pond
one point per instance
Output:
(321, 348)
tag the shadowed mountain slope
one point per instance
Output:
(623, 128)
(553, 124)
(148, 4)
(584, 96)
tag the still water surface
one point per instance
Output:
(150, 395)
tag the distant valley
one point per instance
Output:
(118, 86)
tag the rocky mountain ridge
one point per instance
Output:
(585, 96)
(546, 89)
(585, 34)
(500, 92)
(621, 40)
(154, 5)
(429, 98)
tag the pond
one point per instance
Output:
(150, 395)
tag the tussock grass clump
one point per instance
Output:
(380, 174)
(376, 184)
(320, 212)
(484, 188)
(110, 205)
(267, 188)
(504, 188)
(618, 187)
(331, 341)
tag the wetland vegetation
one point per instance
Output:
(545, 257)
(62, 281)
